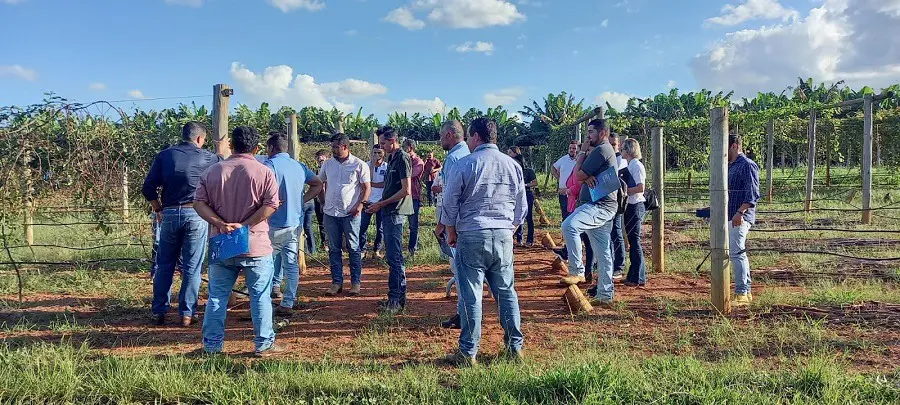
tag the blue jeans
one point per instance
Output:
(364, 229)
(222, 275)
(529, 220)
(564, 205)
(634, 217)
(286, 245)
(182, 233)
(309, 209)
(337, 228)
(596, 222)
(486, 255)
(740, 264)
(414, 227)
(393, 241)
(617, 244)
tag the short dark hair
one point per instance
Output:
(613, 135)
(244, 139)
(734, 138)
(192, 130)
(388, 132)
(321, 152)
(341, 139)
(278, 141)
(573, 142)
(486, 129)
(599, 123)
(520, 160)
(379, 131)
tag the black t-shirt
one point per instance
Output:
(528, 176)
(600, 159)
(399, 168)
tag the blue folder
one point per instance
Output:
(228, 245)
(607, 182)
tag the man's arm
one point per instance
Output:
(315, 188)
(405, 190)
(151, 183)
(521, 207)
(555, 172)
(365, 192)
(209, 215)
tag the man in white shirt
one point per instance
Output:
(347, 186)
(378, 168)
(562, 169)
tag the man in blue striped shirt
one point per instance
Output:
(743, 193)
(484, 201)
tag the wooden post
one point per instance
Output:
(810, 159)
(657, 244)
(221, 94)
(867, 161)
(293, 140)
(578, 134)
(27, 191)
(720, 275)
(770, 156)
(125, 208)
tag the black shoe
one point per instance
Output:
(276, 294)
(634, 284)
(562, 253)
(159, 320)
(452, 323)
(591, 292)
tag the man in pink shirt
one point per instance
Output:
(240, 192)
(418, 168)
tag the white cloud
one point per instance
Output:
(753, 10)
(278, 86)
(405, 18)
(412, 106)
(671, 84)
(188, 3)
(287, 6)
(605, 23)
(615, 99)
(136, 94)
(19, 71)
(484, 47)
(505, 96)
(853, 40)
(97, 86)
(457, 13)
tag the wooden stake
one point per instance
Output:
(221, 94)
(811, 159)
(576, 300)
(657, 244)
(27, 191)
(547, 241)
(770, 156)
(543, 220)
(578, 133)
(560, 266)
(867, 161)
(293, 140)
(125, 208)
(720, 276)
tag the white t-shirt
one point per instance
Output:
(565, 165)
(636, 168)
(378, 173)
(343, 180)
(621, 162)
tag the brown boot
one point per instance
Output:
(188, 320)
(354, 290)
(335, 289)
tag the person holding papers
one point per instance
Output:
(239, 193)
(600, 183)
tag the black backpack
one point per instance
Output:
(621, 197)
(651, 201)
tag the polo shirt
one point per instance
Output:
(291, 176)
(399, 168)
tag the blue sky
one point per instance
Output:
(427, 55)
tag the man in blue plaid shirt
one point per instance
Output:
(743, 193)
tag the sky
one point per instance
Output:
(431, 55)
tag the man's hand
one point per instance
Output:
(374, 207)
(586, 145)
(563, 191)
(591, 182)
(437, 189)
(439, 230)
(229, 227)
(159, 217)
(738, 220)
(451, 236)
(356, 210)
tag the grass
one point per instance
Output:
(50, 373)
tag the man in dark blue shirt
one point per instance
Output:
(178, 170)
(743, 192)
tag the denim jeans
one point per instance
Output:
(617, 245)
(634, 217)
(338, 228)
(222, 275)
(182, 233)
(414, 227)
(393, 241)
(564, 205)
(529, 220)
(309, 209)
(740, 264)
(286, 245)
(486, 255)
(365, 220)
(596, 222)
(320, 218)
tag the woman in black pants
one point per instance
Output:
(530, 181)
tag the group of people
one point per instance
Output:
(483, 198)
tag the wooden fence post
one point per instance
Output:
(811, 159)
(221, 94)
(720, 277)
(770, 156)
(578, 134)
(27, 191)
(659, 172)
(293, 140)
(867, 161)
(125, 207)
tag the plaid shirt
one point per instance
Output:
(743, 187)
